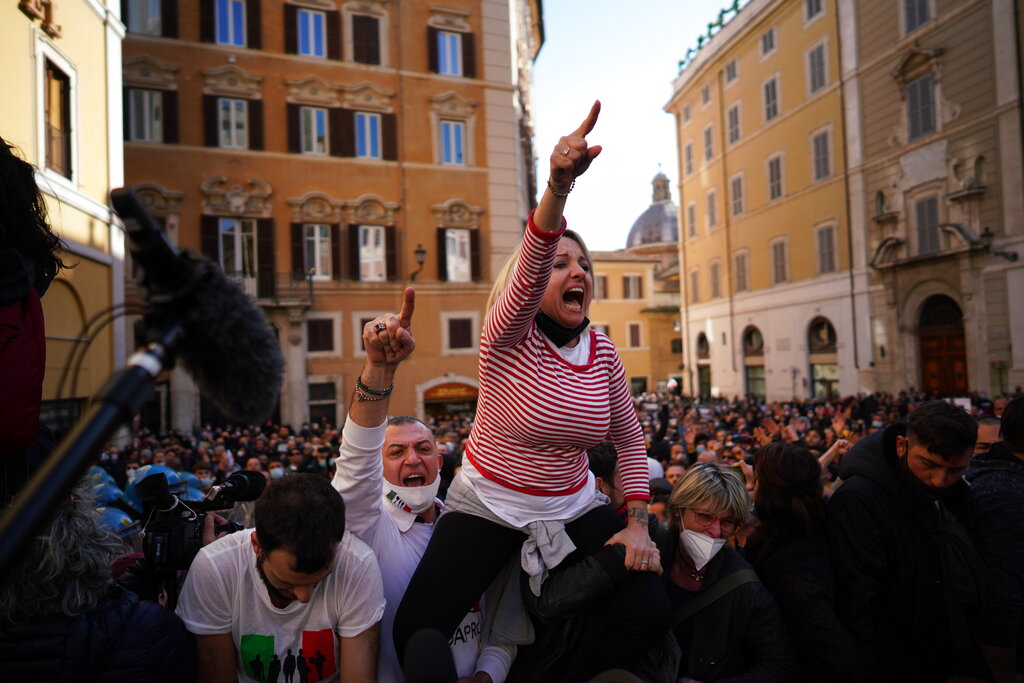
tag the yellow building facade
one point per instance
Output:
(768, 285)
(62, 89)
(636, 295)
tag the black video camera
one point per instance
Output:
(172, 533)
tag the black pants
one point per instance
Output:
(467, 552)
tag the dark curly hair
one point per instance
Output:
(23, 223)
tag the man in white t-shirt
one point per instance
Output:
(387, 471)
(299, 596)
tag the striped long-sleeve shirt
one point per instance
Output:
(537, 414)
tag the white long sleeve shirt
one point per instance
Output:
(399, 542)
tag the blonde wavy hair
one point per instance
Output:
(505, 274)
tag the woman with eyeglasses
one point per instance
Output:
(725, 621)
(789, 551)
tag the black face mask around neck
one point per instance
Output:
(558, 334)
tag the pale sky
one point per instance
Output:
(626, 55)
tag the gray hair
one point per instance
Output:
(66, 571)
(721, 487)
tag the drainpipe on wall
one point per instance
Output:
(846, 193)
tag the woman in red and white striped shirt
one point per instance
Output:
(549, 389)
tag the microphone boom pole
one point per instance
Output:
(115, 404)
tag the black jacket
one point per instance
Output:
(888, 563)
(997, 498)
(568, 619)
(123, 639)
(740, 637)
(801, 579)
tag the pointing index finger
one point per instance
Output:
(589, 122)
(408, 306)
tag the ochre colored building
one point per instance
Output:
(769, 303)
(328, 155)
(636, 300)
(62, 111)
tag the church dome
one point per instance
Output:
(658, 222)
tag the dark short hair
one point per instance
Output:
(603, 458)
(399, 420)
(303, 515)
(942, 428)
(1011, 428)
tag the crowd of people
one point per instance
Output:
(565, 531)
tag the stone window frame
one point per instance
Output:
(370, 8)
(453, 106)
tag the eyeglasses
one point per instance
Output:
(705, 520)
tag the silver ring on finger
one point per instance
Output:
(380, 327)
(565, 152)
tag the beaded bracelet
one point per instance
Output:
(561, 195)
(383, 393)
(366, 397)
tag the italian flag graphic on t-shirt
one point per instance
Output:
(313, 662)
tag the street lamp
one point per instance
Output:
(421, 258)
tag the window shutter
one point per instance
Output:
(442, 255)
(390, 253)
(207, 22)
(335, 131)
(255, 108)
(343, 132)
(253, 25)
(432, 48)
(469, 55)
(389, 136)
(365, 39)
(168, 18)
(336, 251)
(291, 29)
(126, 97)
(170, 101)
(475, 263)
(333, 35)
(265, 285)
(210, 120)
(298, 257)
(208, 238)
(294, 128)
(640, 287)
(353, 251)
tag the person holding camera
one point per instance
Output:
(297, 593)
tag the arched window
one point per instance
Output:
(753, 363)
(703, 348)
(824, 360)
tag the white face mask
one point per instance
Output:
(415, 499)
(700, 547)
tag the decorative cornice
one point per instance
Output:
(316, 207)
(231, 80)
(313, 90)
(368, 97)
(158, 199)
(452, 103)
(448, 18)
(371, 209)
(456, 213)
(234, 201)
(149, 72)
